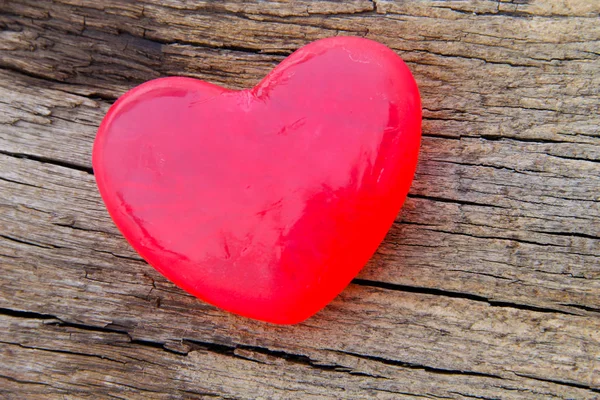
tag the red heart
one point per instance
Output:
(265, 202)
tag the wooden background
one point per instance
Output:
(487, 286)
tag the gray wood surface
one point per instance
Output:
(487, 286)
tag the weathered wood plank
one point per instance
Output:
(83, 272)
(119, 366)
(487, 286)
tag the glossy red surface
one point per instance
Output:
(265, 202)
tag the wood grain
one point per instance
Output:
(487, 286)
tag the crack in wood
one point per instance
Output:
(452, 201)
(76, 353)
(427, 368)
(49, 160)
(560, 382)
(22, 382)
(18, 182)
(29, 243)
(457, 295)
(228, 350)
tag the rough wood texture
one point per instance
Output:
(488, 285)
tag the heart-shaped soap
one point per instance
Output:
(265, 202)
